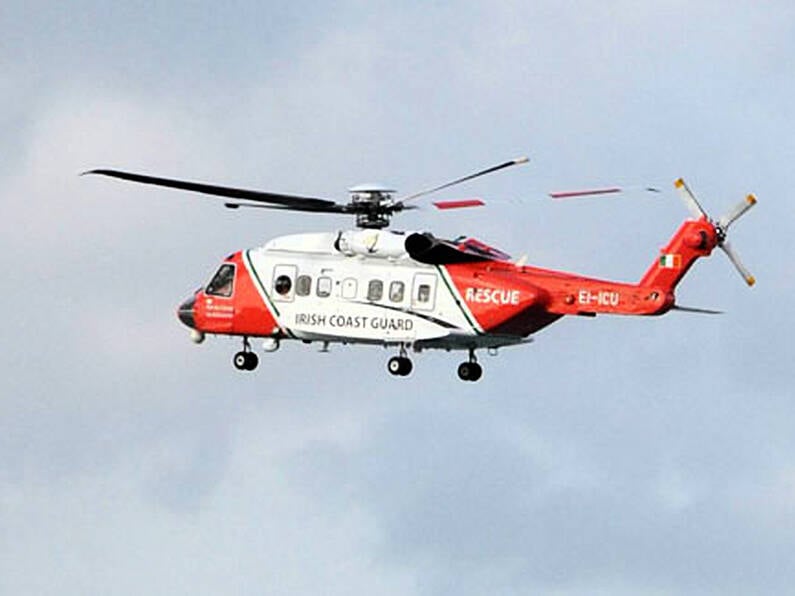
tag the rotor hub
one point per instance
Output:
(373, 205)
(720, 233)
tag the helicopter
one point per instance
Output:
(413, 291)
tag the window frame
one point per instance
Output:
(209, 290)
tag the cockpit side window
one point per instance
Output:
(222, 283)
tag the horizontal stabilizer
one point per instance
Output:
(700, 311)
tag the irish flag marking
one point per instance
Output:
(671, 261)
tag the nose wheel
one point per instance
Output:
(400, 366)
(245, 359)
(470, 370)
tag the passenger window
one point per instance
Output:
(396, 291)
(324, 287)
(423, 293)
(303, 285)
(375, 290)
(222, 282)
(282, 285)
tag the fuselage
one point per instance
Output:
(364, 287)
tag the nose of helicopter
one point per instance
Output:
(185, 312)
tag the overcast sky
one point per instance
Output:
(612, 456)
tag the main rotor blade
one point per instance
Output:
(738, 210)
(507, 164)
(726, 247)
(290, 201)
(590, 192)
(351, 208)
(689, 199)
(457, 204)
(305, 208)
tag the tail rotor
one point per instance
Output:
(721, 225)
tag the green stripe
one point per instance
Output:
(267, 296)
(454, 294)
(261, 285)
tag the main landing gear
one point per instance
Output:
(246, 359)
(470, 370)
(400, 365)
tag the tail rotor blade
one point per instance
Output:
(689, 199)
(726, 247)
(737, 212)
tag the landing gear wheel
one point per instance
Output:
(252, 360)
(393, 365)
(469, 371)
(399, 366)
(240, 360)
(476, 370)
(245, 359)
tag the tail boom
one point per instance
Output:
(693, 240)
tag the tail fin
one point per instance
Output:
(694, 239)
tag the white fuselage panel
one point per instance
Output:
(331, 296)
